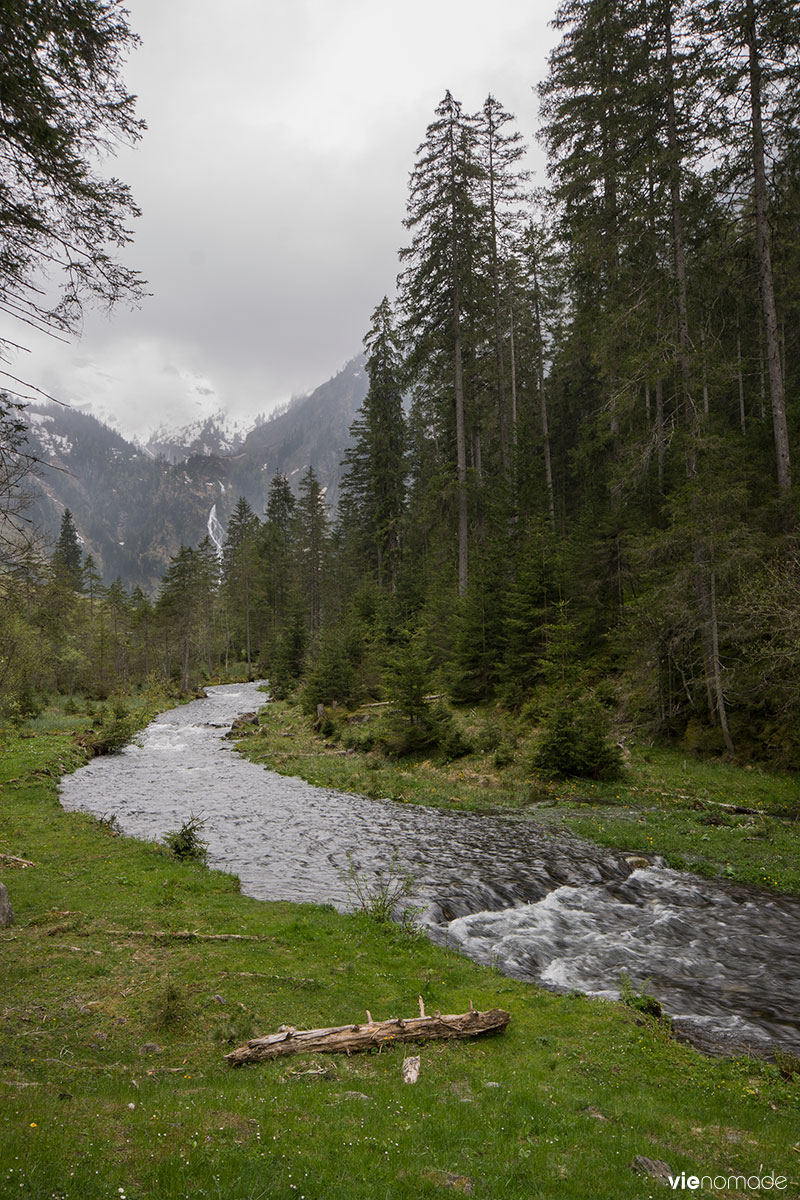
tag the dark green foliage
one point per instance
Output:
(310, 534)
(334, 676)
(67, 555)
(185, 844)
(482, 634)
(576, 740)
(450, 739)
(408, 678)
(374, 484)
(64, 107)
(642, 1002)
(287, 656)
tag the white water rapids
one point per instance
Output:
(548, 908)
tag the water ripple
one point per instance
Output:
(722, 958)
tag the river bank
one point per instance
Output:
(709, 817)
(113, 1076)
(531, 899)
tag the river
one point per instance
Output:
(545, 907)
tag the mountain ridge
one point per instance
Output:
(134, 506)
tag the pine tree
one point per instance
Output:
(92, 584)
(181, 606)
(275, 555)
(374, 481)
(310, 544)
(438, 283)
(767, 33)
(64, 108)
(500, 150)
(68, 556)
(240, 572)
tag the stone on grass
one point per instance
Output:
(653, 1167)
(411, 1069)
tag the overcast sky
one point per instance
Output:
(273, 181)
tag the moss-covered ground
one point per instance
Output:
(113, 1081)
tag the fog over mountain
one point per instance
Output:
(135, 505)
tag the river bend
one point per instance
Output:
(548, 908)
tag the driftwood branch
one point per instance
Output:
(11, 860)
(187, 935)
(346, 1039)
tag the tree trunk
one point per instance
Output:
(660, 444)
(513, 381)
(505, 456)
(548, 467)
(763, 255)
(719, 694)
(740, 380)
(461, 460)
(458, 383)
(678, 252)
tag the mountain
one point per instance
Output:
(206, 436)
(134, 506)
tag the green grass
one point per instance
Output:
(667, 803)
(557, 1107)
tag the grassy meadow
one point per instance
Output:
(113, 1079)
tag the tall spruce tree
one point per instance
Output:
(68, 556)
(757, 71)
(310, 544)
(438, 283)
(501, 150)
(275, 550)
(240, 572)
(374, 481)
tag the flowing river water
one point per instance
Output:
(723, 959)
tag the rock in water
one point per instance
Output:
(6, 911)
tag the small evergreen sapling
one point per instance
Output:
(576, 740)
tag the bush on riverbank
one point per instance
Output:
(112, 1071)
(705, 816)
(576, 741)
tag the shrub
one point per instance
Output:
(386, 898)
(503, 755)
(642, 1002)
(185, 843)
(399, 737)
(115, 733)
(169, 1008)
(451, 740)
(576, 741)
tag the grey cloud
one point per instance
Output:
(273, 183)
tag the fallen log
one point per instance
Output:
(346, 1039)
(11, 860)
(187, 935)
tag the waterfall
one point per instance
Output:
(215, 530)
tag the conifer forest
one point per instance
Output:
(569, 491)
